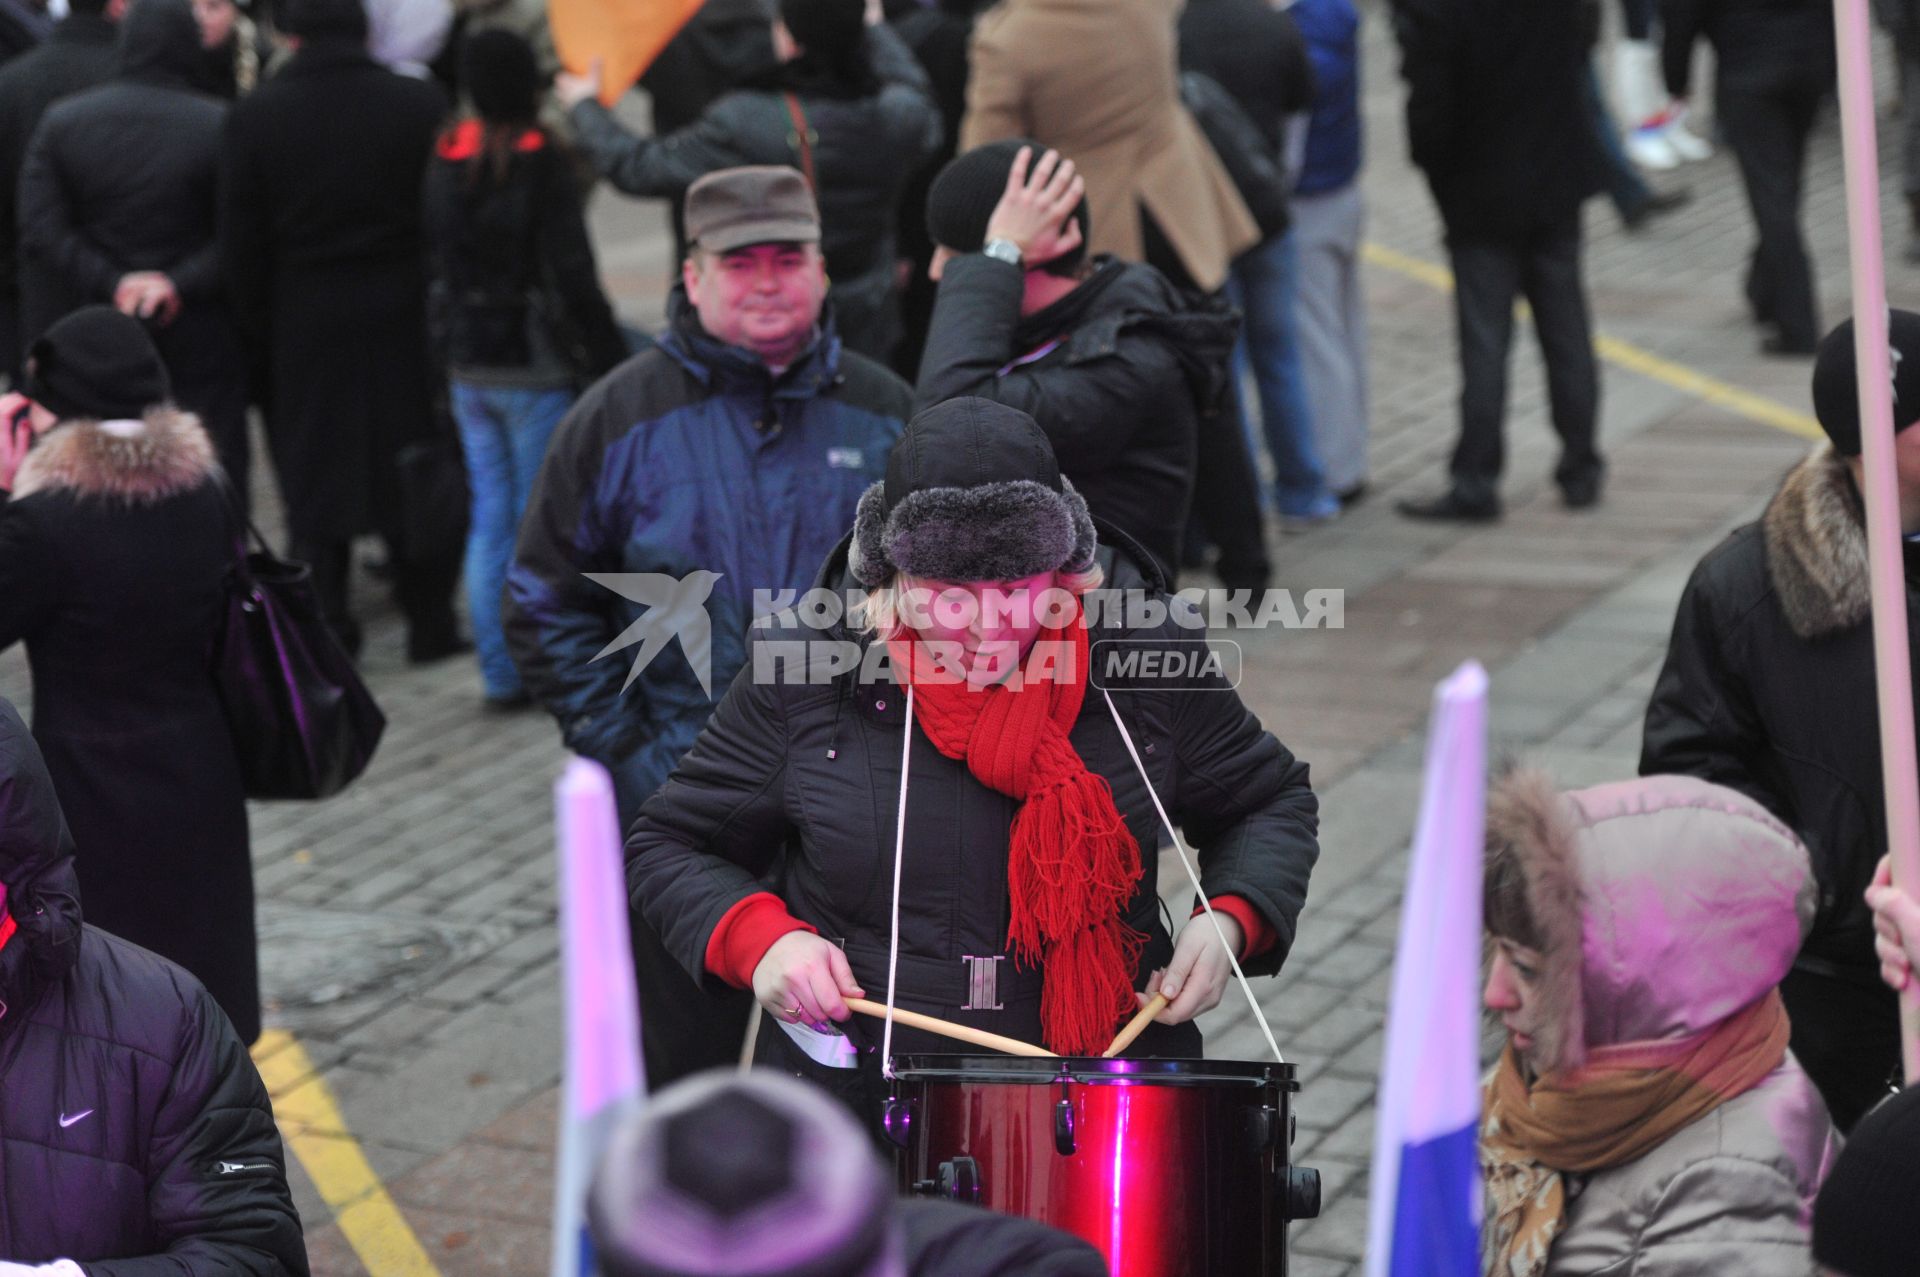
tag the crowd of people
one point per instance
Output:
(981, 312)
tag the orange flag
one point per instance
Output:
(626, 35)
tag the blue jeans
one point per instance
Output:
(1262, 285)
(504, 432)
(1624, 187)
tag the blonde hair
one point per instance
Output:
(881, 612)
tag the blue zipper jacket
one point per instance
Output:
(688, 458)
(1331, 29)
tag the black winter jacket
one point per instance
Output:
(1768, 688)
(1757, 44)
(514, 285)
(1496, 113)
(78, 55)
(1256, 54)
(124, 177)
(1117, 373)
(135, 1136)
(812, 770)
(864, 150)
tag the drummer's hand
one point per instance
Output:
(1197, 977)
(805, 980)
(1896, 923)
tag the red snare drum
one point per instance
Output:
(1173, 1168)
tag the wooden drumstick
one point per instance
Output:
(948, 1029)
(1136, 1026)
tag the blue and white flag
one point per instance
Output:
(1425, 1203)
(603, 1070)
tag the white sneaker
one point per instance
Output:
(1687, 144)
(1649, 147)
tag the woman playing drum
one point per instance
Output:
(1026, 904)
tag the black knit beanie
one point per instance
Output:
(502, 76)
(825, 27)
(966, 191)
(322, 19)
(96, 364)
(1836, 386)
(1860, 1222)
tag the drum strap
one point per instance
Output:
(899, 856)
(1186, 862)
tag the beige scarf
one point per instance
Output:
(1622, 1104)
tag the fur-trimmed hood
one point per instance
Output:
(161, 455)
(1664, 905)
(1816, 538)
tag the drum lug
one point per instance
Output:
(960, 1181)
(1063, 1127)
(1303, 1193)
(896, 1120)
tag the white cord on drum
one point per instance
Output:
(1193, 875)
(899, 855)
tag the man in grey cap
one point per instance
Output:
(728, 459)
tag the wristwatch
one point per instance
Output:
(1002, 250)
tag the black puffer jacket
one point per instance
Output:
(123, 178)
(135, 1136)
(1118, 373)
(1768, 688)
(864, 150)
(814, 769)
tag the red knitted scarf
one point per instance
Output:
(1072, 864)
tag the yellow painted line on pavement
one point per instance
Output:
(311, 1124)
(1632, 358)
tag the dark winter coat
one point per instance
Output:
(724, 44)
(1768, 688)
(124, 177)
(689, 458)
(864, 148)
(320, 234)
(22, 27)
(113, 551)
(516, 294)
(813, 770)
(135, 1136)
(1758, 45)
(1496, 113)
(1117, 373)
(1254, 52)
(78, 55)
(949, 1239)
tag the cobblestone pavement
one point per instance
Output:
(407, 927)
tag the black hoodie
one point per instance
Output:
(135, 1135)
(123, 177)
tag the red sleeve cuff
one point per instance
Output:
(1253, 925)
(744, 935)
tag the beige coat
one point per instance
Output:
(1096, 79)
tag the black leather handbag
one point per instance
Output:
(304, 724)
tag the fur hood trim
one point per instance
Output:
(165, 453)
(1817, 547)
(1530, 819)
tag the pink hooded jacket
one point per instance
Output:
(1666, 904)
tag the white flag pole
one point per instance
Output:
(1892, 656)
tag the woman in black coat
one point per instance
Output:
(1028, 903)
(114, 543)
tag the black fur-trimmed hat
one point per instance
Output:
(973, 493)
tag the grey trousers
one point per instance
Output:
(1331, 314)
